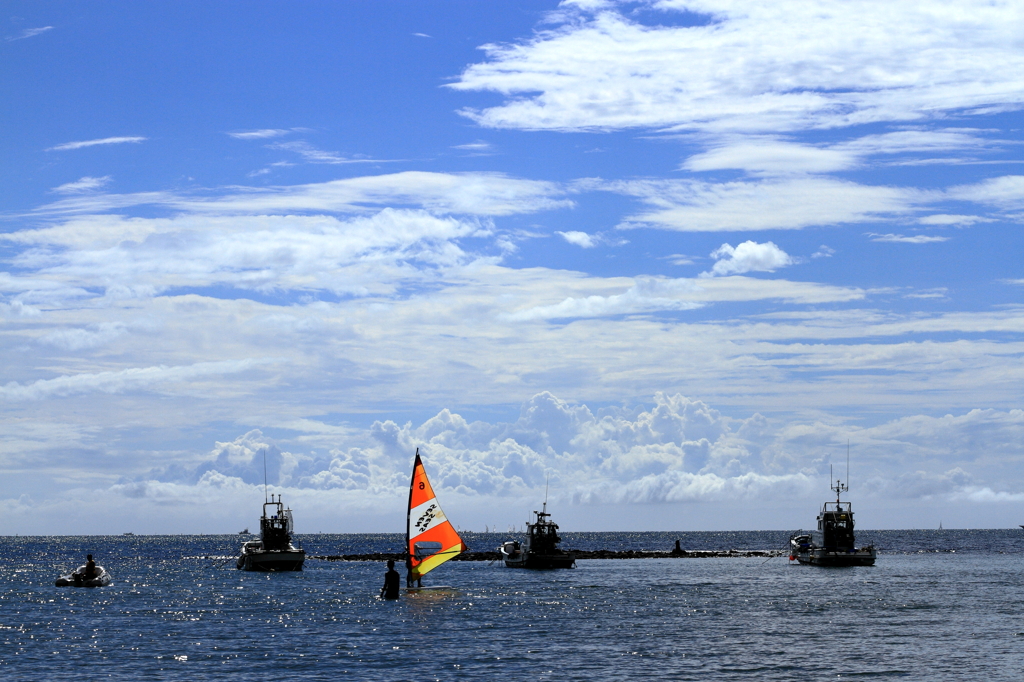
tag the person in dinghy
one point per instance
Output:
(430, 537)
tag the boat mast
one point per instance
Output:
(264, 476)
(408, 511)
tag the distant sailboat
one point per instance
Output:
(431, 539)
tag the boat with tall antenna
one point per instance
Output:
(835, 525)
(540, 548)
(430, 538)
(274, 550)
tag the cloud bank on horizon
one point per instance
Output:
(695, 246)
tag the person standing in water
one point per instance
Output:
(409, 578)
(391, 581)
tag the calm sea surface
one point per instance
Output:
(939, 605)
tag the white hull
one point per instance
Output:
(77, 579)
(258, 559)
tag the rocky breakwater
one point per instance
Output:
(580, 555)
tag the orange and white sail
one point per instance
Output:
(431, 538)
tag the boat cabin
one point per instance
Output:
(543, 534)
(835, 522)
(276, 527)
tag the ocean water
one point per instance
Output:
(939, 605)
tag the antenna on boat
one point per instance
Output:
(264, 476)
(547, 480)
(847, 463)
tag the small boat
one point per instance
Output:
(77, 578)
(540, 548)
(244, 532)
(430, 538)
(835, 523)
(274, 550)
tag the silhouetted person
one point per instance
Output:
(391, 580)
(90, 567)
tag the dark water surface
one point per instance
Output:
(939, 605)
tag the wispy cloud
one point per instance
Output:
(313, 155)
(92, 143)
(82, 185)
(483, 194)
(958, 220)
(901, 239)
(479, 146)
(803, 66)
(30, 32)
(135, 378)
(263, 134)
(778, 203)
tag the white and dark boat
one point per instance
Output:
(274, 550)
(540, 548)
(78, 578)
(835, 530)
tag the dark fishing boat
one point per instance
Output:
(835, 524)
(540, 549)
(274, 550)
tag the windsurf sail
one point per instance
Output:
(430, 538)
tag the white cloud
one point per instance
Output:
(84, 184)
(1006, 192)
(774, 156)
(653, 294)
(262, 134)
(484, 194)
(900, 239)
(804, 66)
(581, 239)
(677, 449)
(136, 378)
(768, 156)
(30, 33)
(313, 155)
(352, 256)
(478, 146)
(823, 252)
(791, 203)
(959, 220)
(91, 143)
(748, 256)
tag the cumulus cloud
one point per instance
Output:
(747, 257)
(804, 66)
(581, 239)
(675, 449)
(92, 143)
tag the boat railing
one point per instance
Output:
(840, 507)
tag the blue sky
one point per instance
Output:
(672, 256)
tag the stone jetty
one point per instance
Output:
(580, 555)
